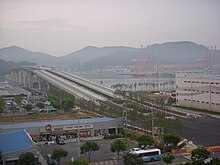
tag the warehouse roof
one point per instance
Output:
(15, 141)
(54, 123)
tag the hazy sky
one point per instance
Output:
(58, 27)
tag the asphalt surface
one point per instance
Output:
(204, 131)
(103, 156)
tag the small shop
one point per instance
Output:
(112, 130)
(49, 132)
(100, 132)
(68, 129)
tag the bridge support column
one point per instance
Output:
(25, 78)
(30, 80)
(20, 77)
(16, 74)
(39, 83)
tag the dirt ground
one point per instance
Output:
(34, 117)
(159, 95)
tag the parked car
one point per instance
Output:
(60, 141)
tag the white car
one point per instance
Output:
(134, 149)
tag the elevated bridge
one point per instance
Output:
(75, 85)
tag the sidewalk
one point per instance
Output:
(41, 159)
(74, 140)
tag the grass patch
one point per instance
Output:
(198, 110)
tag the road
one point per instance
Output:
(203, 131)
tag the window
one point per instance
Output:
(202, 82)
(189, 81)
(197, 90)
(207, 102)
(197, 101)
(193, 81)
(212, 82)
(197, 82)
(185, 89)
(194, 100)
(203, 91)
(207, 82)
(217, 103)
(207, 91)
(216, 83)
(203, 102)
(185, 81)
(217, 92)
(149, 154)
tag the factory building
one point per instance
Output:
(198, 90)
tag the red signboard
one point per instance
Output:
(48, 127)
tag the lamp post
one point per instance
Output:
(125, 114)
(78, 137)
(152, 123)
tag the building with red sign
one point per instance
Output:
(68, 128)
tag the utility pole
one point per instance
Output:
(78, 137)
(152, 123)
(125, 114)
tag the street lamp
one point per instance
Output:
(78, 137)
(152, 123)
(125, 115)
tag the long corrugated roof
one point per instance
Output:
(15, 141)
(54, 123)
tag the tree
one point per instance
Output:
(13, 108)
(81, 161)
(28, 107)
(1, 158)
(18, 99)
(118, 146)
(1, 110)
(58, 154)
(2, 102)
(27, 158)
(67, 104)
(131, 159)
(168, 158)
(198, 162)
(89, 147)
(55, 104)
(171, 139)
(40, 105)
(145, 141)
(214, 161)
(200, 154)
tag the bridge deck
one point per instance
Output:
(73, 88)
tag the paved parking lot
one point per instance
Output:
(102, 156)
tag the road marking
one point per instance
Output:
(110, 162)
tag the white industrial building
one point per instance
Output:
(198, 90)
